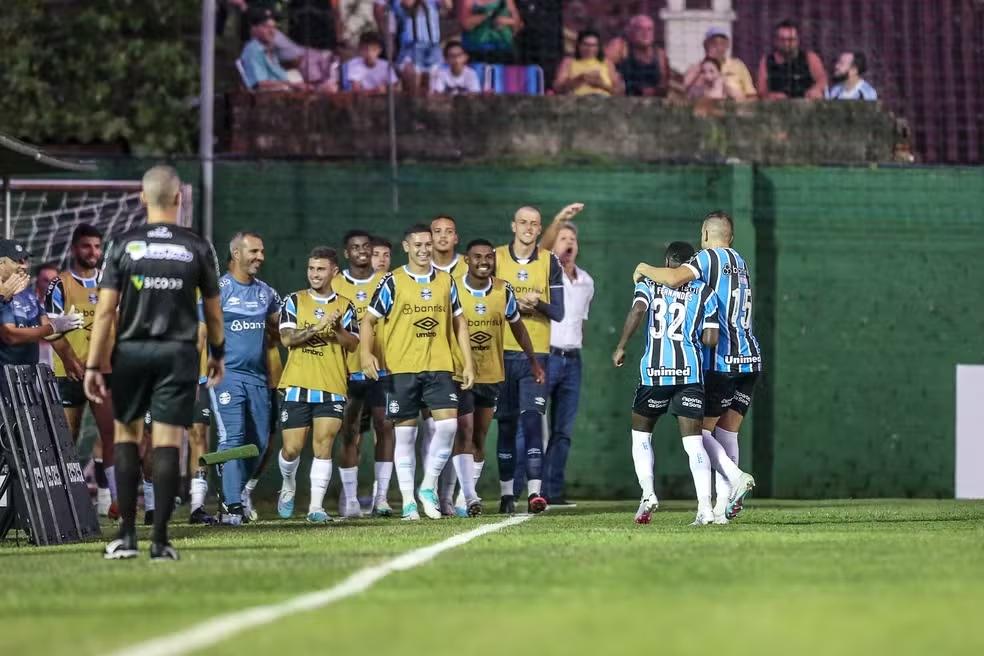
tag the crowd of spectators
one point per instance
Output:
(423, 47)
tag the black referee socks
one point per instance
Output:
(167, 477)
(128, 477)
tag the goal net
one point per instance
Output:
(44, 213)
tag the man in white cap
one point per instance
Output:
(717, 46)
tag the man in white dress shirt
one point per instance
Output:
(564, 373)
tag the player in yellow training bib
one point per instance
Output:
(536, 276)
(319, 329)
(76, 287)
(365, 397)
(489, 305)
(416, 306)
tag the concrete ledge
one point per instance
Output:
(519, 128)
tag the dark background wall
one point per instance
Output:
(865, 284)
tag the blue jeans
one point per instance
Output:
(564, 392)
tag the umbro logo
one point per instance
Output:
(480, 338)
(427, 323)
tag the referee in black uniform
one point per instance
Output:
(151, 273)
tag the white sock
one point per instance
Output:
(729, 440)
(700, 469)
(111, 481)
(642, 458)
(424, 436)
(719, 458)
(251, 485)
(439, 452)
(320, 476)
(288, 470)
(404, 460)
(384, 471)
(464, 466)
(148, 495)
(445, 484)
(533, 485)
(477, 468)
(350, 481)
(506, 488)
(199, 490)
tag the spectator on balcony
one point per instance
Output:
(717, 44)
(489, 29)
(317, 68)
(712, 84)
(456, 78)
(641, 64)
(848, 83)
(368, 73)
(261, 68)
(418, 24)
(587, 73)
(787, 71)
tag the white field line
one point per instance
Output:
(219, 628)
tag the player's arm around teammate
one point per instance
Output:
(318, 328)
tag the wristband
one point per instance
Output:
(217, 351)
(88, 368)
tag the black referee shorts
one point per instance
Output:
(72, 394)
(155, 375)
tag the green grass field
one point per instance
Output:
(835, 577)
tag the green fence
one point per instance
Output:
(865, 296)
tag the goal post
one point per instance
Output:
(43, 213)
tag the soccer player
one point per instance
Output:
(735, 362)
(250, 309)
(445, 231)
(151, 274)
(76, 287)
(417, 305)
(357, 283)
(319, 329)
(199, 431)
(488, 304)
(382, 253)
(671, 375)
(536, 277)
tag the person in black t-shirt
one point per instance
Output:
(151, 274)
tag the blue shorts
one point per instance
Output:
(424, 57)
(242, 412)
(519, 393)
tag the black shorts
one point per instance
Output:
(681, 400)
(156, 376)
(481, 395)
(519, 392)
(408, 394)
(370, 394)
(203, 405)
(72, 392)
(297, 414)
(728, 392)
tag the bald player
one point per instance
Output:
(536, 277)
(733, 366)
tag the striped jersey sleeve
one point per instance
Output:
(700, 264)
(349, 322)
(709, 305)
(643, 293)
(54, 299)
(382, 299)
(288, 312)
(455, 301)
(512, 307)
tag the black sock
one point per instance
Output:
(100, 471)
(128, 478)
(166, 476)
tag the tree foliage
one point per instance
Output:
(93, 71)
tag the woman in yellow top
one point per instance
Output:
(587, 73)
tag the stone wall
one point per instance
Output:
(521, 128)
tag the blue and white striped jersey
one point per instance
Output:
(676, 317)
(724, 271)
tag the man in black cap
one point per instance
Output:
(151, 274)
(23, 322)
